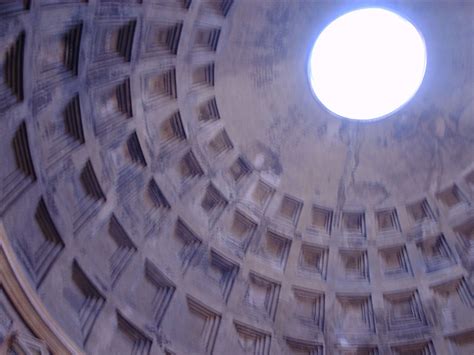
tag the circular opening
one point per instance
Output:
(367, 63)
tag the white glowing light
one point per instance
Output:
(367, 64)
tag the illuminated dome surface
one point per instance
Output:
(367, 63)
(170, 184)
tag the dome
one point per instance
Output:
(171, 184)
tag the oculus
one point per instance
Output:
(367, 64)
